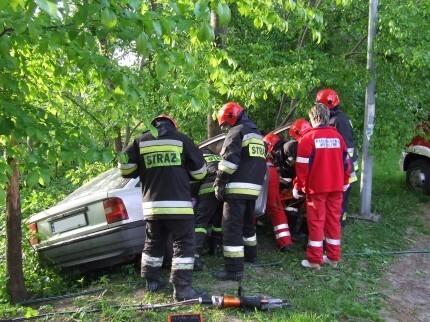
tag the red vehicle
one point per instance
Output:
(416, 159)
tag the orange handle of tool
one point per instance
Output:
(231, 301)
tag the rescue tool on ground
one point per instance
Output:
(260, 302)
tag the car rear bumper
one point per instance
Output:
(115, 242)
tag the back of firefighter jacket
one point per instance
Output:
(165, 165)
(343, 125)
(244, 161)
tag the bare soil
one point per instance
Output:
(407, 283)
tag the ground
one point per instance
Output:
(407, 282)
(405, 285)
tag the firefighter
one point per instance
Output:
(343, 124)
(208, 211)
(323, 171)
(166, 160)
(275, 207)
(239, 181)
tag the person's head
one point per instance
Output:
(162, 119)
(328, 97)
(271, 141)
(229, 114)
(319, 115)
(298, 128)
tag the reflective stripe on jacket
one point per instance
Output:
(165, 165)
(244, 161)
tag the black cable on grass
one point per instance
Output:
(139, 307)
(60, 297)
(394, 252)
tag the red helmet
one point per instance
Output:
(271, 139)
(229, 114)
(328, 97)
(299, 128)
(165, 116)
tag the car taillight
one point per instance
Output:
(33, 233)
(114, 210)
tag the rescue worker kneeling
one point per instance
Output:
(165, 160)
(239, 181)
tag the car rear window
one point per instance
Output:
(109, 180)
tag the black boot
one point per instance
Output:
(215, 245)
(155, 285)
(228, 276)
(286, 249)
(250, 259)
(186, 292)
(198, 264)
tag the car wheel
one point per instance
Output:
(418, 175)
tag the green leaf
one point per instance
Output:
(166, 26)
(49, 7)
(33, 30)
(162, 68)
(32, 178)
(205, 32)
(224, 14)
(45, 177)
(122, 158)
(153, 131)
(107, 156)
(175, 7)
(142, 44)
(67, 156)
(2, 196)
(258, 22)
(4, 47)
(157, 27)
(201, 11)
(6, 126)
(108, 18)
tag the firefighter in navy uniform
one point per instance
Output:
(239, 181)
(208, 211)
(343, 125)
(165, 163)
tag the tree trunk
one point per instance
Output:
(15, 282)
(212, 126)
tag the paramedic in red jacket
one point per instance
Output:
(275, 207)
(322, 173)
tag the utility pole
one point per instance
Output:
(369, 116)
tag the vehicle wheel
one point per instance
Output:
(418, 175)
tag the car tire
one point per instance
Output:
(418, 175)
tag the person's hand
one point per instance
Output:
(297, 194)
(345, 187)
(219, 186)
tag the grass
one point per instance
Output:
(351, 292)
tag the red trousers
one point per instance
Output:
(275, 209)
(323, 212)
